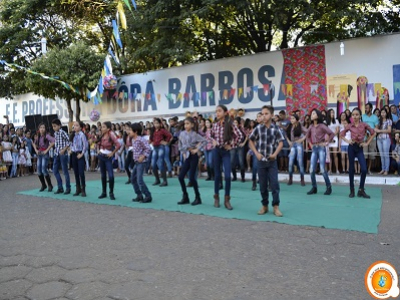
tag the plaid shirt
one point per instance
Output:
(140, 147)
(266, 139)
(79, 143)
(61, 141)
(218, 135)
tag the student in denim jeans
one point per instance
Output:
(140, 154)
(384, 131)
(295, 135)
(358, 131)
(61, 145)
(266, 141)
(316, 136)
(42, 146)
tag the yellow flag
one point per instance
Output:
(122, 17)
(240, 92)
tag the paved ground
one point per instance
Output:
(52, 249)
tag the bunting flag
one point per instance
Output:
(100, 86)
(204, 95)
(248, 90)
(240, 92)
(116, 33)
(134, 4)
(314, 88)
(232, 92)
(179, 97)
(289, 90)
(283, 88)
(331, 89)
(255, 88)
(266, 88)
(112, 54)
(122, 18)
(225, 94)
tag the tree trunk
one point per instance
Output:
(78, 110)
(70, 111)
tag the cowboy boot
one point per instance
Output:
(112, 197)
(216, 201)
(242, 175)
(104, 187)
(185, 199)
(164, 177)
(208, 174)
(254, 187)
(290, 182)
(83, 191)
(302, 182)
(78, 189)
(227, 204)
(44, 186)
(50, 186)
(156, 175)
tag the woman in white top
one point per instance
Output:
(384, 130)
(333, 125)
(344, 146)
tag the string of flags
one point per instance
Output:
(107, 80)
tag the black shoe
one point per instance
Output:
(328, 190)
(112, 197)
(254, 186)
(185, 200)
(103, 195)
(68, 191)
(139, 198)
(208, 178)
(234, 179)
(361, 193)
(312, 191)
(196, 201)
(59, 191)
(189, 184)
(157, 182)
(351, 195)
(164, 183)
(147, 200)
(128, 182)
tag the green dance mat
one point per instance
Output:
(336, 211)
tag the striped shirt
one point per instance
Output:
(61, 141)
(265, 139)
(79, 142)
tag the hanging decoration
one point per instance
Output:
(110, 82)
(94, 115)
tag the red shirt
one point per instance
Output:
(159, 136)
(357, 132)
(108, 141)
(316, 134)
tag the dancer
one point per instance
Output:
(358, 131)
(189, 144)
(266, 141)
(108, 145)
(78, 148)
(140, 154)
(316, 135)
(208, 149)
(226, 136)
(42, 146)
(159, 137)
(61, 157)
(295, 136)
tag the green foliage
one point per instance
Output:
(78, 65)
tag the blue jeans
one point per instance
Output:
(222, 157)
(42, 162)
(105, 164)
(296, 151)
(318, 152)
(237, 154)
(357, 151)
(157, 159)
(15, 156)
(138, 183)
(254, 167)
(209, 158)
(167, 157)
(384, 149)
(79, 169)
(63, 160)
(189, 166)
(268, 174)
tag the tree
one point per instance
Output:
(78, 65)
